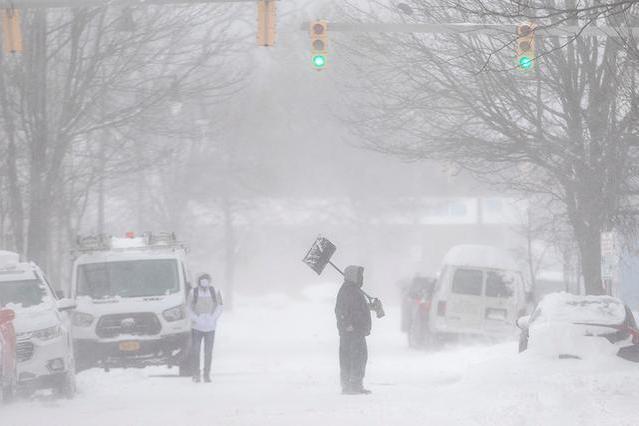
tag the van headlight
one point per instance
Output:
(80, 319)
(174, 314)
(46, 333)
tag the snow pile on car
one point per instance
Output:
(8, 259)
(480, 256)
(570, 308)
(560, 325)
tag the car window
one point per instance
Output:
(500, 284)
(23, 293)
(468, 281)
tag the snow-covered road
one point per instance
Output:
(275, 363)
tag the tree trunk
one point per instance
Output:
(589, 240)
(229, 258)
(39, 209)
(15, 205)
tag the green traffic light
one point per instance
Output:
(319, 61)
(525, 62)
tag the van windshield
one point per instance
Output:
(22, 293)
(468, 281)
(131, 278)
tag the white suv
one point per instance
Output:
(44, 347)
(131, 302)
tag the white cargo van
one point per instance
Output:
(480, 291)
(131, 296)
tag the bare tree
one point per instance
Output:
(85, 72)
(570, 122)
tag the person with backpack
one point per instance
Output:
(205, 307)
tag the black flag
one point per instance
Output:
(319, 255)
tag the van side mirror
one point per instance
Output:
(6, 315)
(523, 322)
(66, 305)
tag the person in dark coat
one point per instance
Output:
(353, 315)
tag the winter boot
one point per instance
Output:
(362, 391)
(196, 378)
(348, 390)
(207, 378)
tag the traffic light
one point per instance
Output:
(266, 22)
(319, 44)
(525, 45)
(11, 31)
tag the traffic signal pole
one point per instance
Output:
(47, 4)
(12, 31)
(479, 29)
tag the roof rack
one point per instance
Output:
(148, 240)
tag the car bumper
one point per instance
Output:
(496, 329)
(47, 360)
(167, 349)
(45, 381)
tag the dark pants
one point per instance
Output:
(209, 339)
(353, 355)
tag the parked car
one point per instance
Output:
(416, 302)
(131, 295)
(480, 292)
(569, 326)
(8, 364)
(44, 348)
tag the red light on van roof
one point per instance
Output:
(130, 234)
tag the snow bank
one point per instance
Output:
(275, 364)
(555, 339)
(480, 256)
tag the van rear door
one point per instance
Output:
(465, 305)
(501, 301)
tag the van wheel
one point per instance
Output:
(67, 386)
(416, 335)
(523, 341)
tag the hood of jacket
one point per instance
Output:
(354, 275)
(203, 276)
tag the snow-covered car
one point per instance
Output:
(131, 301)
(569, 326)
(44, 348)
(480, 291)
(8, 364)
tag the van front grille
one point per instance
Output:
(137, 324)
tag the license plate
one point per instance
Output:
(129, 346)
(496, 314)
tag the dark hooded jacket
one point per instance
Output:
(352, 310)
